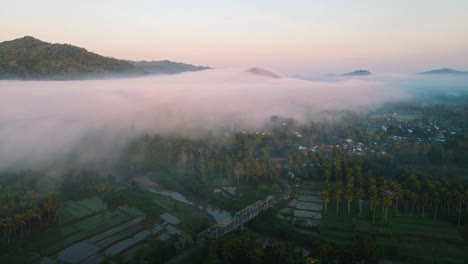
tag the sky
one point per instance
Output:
(303, 37)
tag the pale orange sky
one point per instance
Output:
(287, 36)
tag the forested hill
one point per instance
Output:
(166, 67)
(31, 58)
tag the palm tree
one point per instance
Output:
(211, 165)
(101, 188)
(360, 193)
(338, 194)
(32, 215)
(465, 195)
(289, 159)
(349, 189)
(459, 199)
(323, 249)
(298, 159)
(220, 164)
(360, 196)
(424, 198)
(407, 196)
(397, 193)
(414, 198)
(381, 194)
(373, 196)
(52, 205)
(239, 171)
(327, 172)
(9, 226)
(19, 222)
(387, 202)
(436, 200)
(326, 198)
(228, 165)
(201, 165)
(338, 169)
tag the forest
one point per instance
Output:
(376, 169)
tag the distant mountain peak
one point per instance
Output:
(29, 38)
(358, 73)
(263, 72)
(446, 71)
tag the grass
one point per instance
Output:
(75, 209)
(409, 239)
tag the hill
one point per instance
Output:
(263, 72)
(358, 73)
(444, 71)
(166, 67)
(31, 58)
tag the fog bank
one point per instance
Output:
(43, 123)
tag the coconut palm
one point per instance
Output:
(323, 248)
(327, 172)
(239, 171)
(211, 165)
(9, 227)
(414, 197)
(398, 193)
(228, 165)
(338, 194)
(326, 198)
(299, 160)
(436, 202)
(424, 197)
(19, 222)
(349, 190)
(386, 202)
(360, 190)
(465, 197)
(374, 198)
(338, 169)
(459, 200)
(101, 188)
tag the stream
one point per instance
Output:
(217, 214)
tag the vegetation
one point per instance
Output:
(393, 188)
(30, 58)
(243, 248)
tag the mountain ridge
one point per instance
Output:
(31, 58)
(263, 72)
(443, 71)
(358, 73)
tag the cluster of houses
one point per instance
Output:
(388, 128)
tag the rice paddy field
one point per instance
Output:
(87, 231)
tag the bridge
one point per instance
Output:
(240, 218)
(243, 216)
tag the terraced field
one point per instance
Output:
(305, 210)
(88, 232)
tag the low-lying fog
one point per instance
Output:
(45, 122)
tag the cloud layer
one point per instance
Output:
(44, 123)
